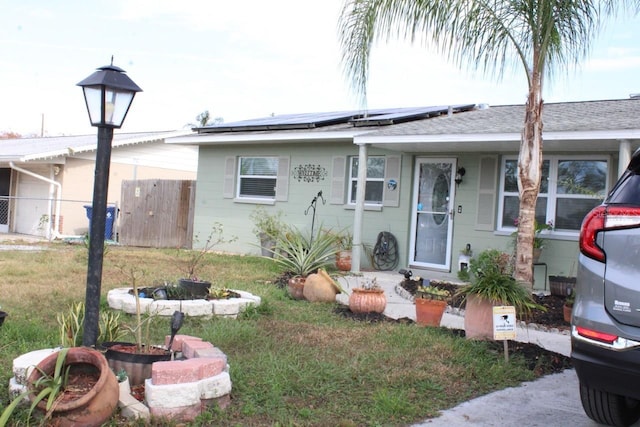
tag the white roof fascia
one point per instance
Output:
(69, 151)
(275, 137)
(497, 137)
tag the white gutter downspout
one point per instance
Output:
(359, 212)
(56, 226)
(624, 156)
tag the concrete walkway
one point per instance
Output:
(553, 400)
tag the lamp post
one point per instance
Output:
(108, 93)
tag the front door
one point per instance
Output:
(432, 213)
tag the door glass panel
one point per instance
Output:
(433, 220)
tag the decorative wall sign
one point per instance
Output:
(309, 173)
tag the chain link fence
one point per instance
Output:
(41, 216)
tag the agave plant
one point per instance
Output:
(299, 254)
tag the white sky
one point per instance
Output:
(242, 60)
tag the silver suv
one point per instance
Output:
(605, 326)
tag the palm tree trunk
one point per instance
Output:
(529, 171)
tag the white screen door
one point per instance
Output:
(432, 214)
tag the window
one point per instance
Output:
(257, 177)
(375, 180)
(570, 187)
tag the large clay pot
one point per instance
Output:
(367, 300)
(94, 407)
(295, 285)
(478, 318)
(429, 312)
(320, 287)
(123, 356)
(343, 260)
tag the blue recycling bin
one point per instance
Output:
(108, 224)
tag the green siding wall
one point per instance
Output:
(211, 206)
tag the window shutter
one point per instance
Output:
(229, 186)
(338, 176)
(487, 182)
(282, 184)
(391, 171)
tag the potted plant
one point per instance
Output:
(368, 298)
(562, 285)
(267, 228)
(136, 358)
(538, 242)
(299, 256)
(463, 262)
(492, 285)
(567, 308)
(74, 386)
(194, 285)
(431, 302)
(344, 244)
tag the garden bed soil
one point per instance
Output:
(540, 361)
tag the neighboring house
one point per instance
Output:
(438, 178)
(46, 182)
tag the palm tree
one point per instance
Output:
(538, 35)
(204, 119)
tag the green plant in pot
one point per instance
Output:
(567, 307)
(194, 259)
(431, 303)
(344, 246)
(267, 228)
(136, 357)
(492, 284)
(299, 255)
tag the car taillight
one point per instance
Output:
(605, 218)
(596, 335)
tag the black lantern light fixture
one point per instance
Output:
(459, 174)
(108, 94)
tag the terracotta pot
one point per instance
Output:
(94, 407)
(429, 311)
(320, 287)
(137, 365)
(296, 287)
(566, 312)
(343, 260)
(478, 318)
(367, 300)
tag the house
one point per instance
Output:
(438, 178)
(45, 183)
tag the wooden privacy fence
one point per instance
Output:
(157, 213)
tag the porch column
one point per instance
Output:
(624, 156)
(359, 212)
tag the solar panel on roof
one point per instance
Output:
(373, 117)
(286, 121)
(407, 114)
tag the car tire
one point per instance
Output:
(607, 408)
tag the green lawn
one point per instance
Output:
(293, 363)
